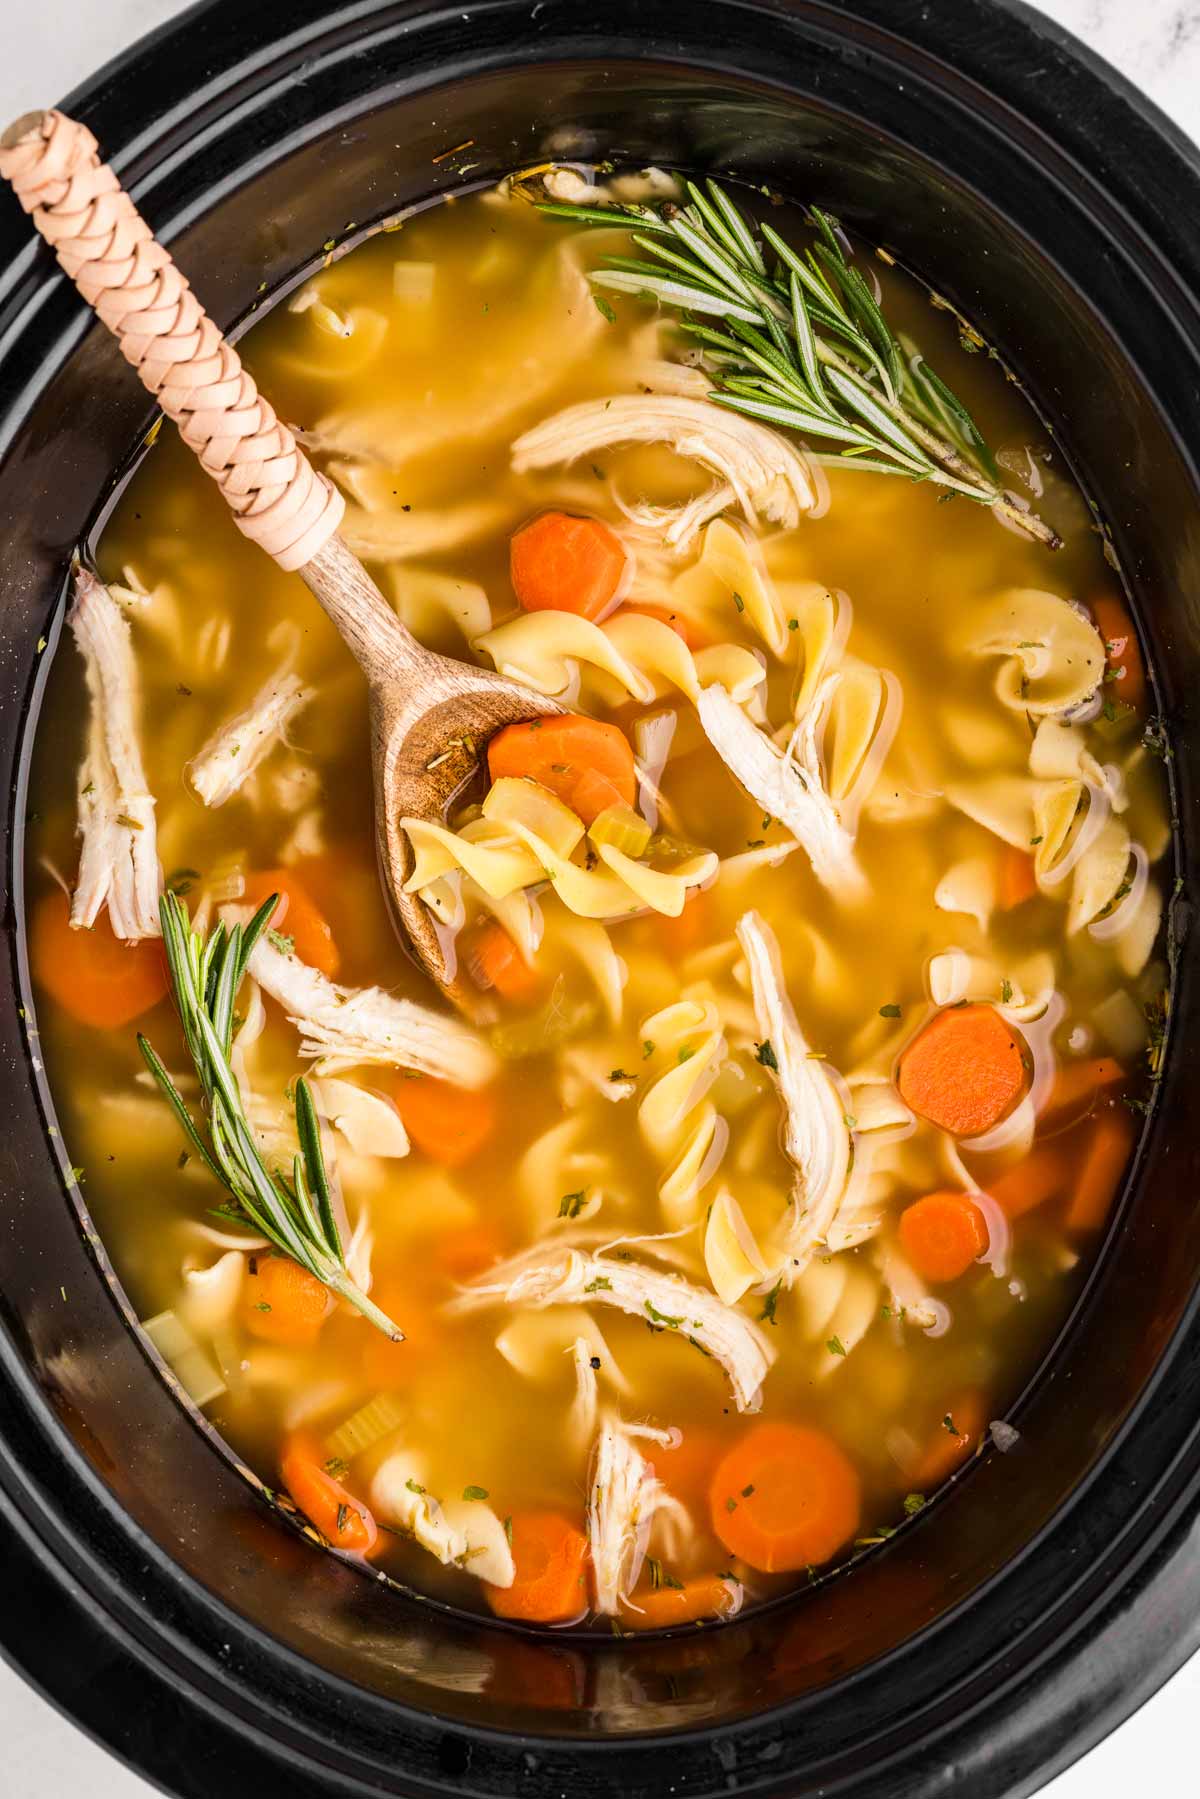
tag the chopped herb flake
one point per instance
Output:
(767, 1315)
(766, 1055)
(571, 1204)
(604, 309)
(892, 1011)
(913, 1503)
(835, 1346)
(1006, 992)
(285, 945)
(475, 1492)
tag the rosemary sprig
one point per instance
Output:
(295, 1214)
(801, 342)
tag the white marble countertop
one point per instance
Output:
(1155, 43)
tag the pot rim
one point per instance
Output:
(1092, 137)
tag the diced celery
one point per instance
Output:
(193, 1367)
(622, 829)
(366, 1427)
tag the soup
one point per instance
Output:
(811, 947)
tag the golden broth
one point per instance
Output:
(485, 330)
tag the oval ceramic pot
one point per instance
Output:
(147, 1587)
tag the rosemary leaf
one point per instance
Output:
(296, 1216)
(805, 344)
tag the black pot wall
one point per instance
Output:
(145, 1586)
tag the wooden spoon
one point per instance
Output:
(430, 716)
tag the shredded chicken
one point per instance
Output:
(565, 183)
(118, 861)
(237, 747)
(359, 1027)
(755, 464)
(623, 1497)
(677, 525)
(785, 783)
(553, 1275)
(585, 1405)
(816, 1137)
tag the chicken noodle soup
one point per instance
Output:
(814, 944)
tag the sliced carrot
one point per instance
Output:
(658, 1608)
(1126, 676)
(686, 1471)
(1110, 1139)
(943, 1234)
(684, 627)
(467, 1251)
(295, 917)
(1078, 1089)
(282, 1302)
(550, 1557)
(562, 563)
(93, 975)
(493, 960)
(964, 1071)
(346, 892)
(684, 933)
(1015, 881)
(588, 765)
(956, 1437)
(341, 1519)
(1042, 1175)
(784, 1497)
(451, 1124)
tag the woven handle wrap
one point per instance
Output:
(109, 252)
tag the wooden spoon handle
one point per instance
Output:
(110, 253)
(277, 498)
